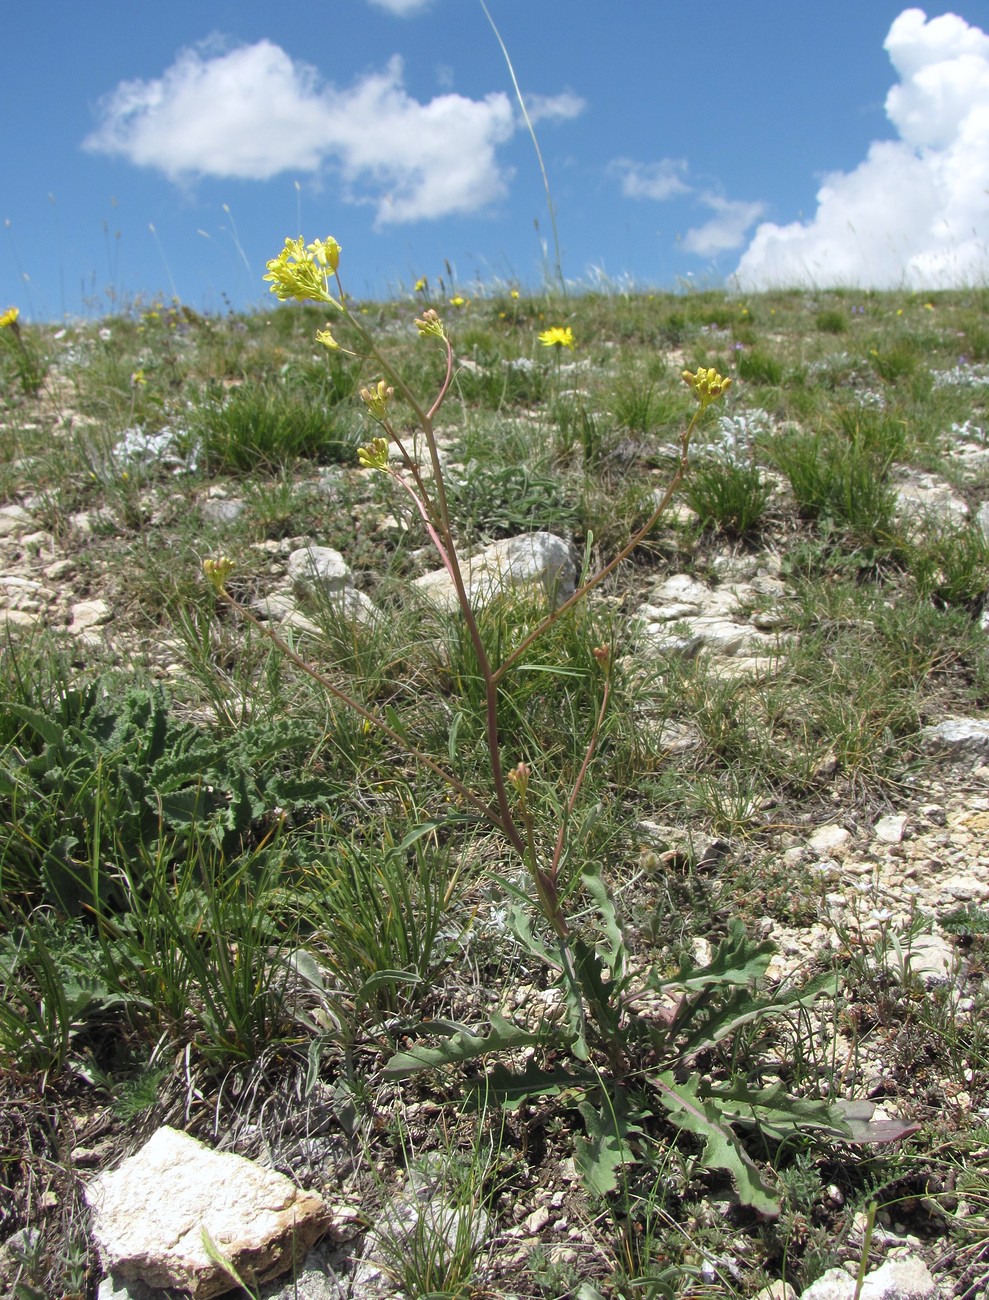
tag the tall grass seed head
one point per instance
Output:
(558, 336)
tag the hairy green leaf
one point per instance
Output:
(460, 1046)
(722, 1149)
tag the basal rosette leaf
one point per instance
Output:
(703, 1117)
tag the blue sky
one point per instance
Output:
(172, 148)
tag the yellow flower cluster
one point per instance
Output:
(9, 317)
(303, 271)
(376, 399)
(217, 571)
(429, 325)
(707, 385)
(374, 455)
(558, 336)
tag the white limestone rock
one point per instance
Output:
(982, 519)
(829, 841)
(10, 619)
(921, 497)
(540, 560)
(683, 616)
(776, 1291)
(87, 614)
(932, 959)
(15, 521)
(890, 829)
(149, 1215)
(223, 510)
(957, 734)
(319, 567)
(905, 1278)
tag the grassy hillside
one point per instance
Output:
(237, 905)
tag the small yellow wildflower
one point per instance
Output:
(376, 398)
(707, 385)
(138, 378)
(326, 338)
(326, 252)
(374, 455)
(558, 336)
(421, 284)
(429, 325)
(457, 301)
(217, 571)
(302, 271)
(9, 317)
(514, 293)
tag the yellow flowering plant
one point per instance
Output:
(558, 336)
(28, 365)
(598, 1022)
(310, 272)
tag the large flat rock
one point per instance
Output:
(150, 1214)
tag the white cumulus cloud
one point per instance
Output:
(659, 180)
(726, 229)
(253, 112)
(554, 108)
(401, 7)
(667, 179)
(915, 212)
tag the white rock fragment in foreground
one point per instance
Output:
(957, 733)
(150, 1212)
(907, 1278)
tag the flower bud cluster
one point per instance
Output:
(429, 325)
(376, 399)
(374, 455)
(217, 571)
(707, 385)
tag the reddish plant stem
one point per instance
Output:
(425, 419)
